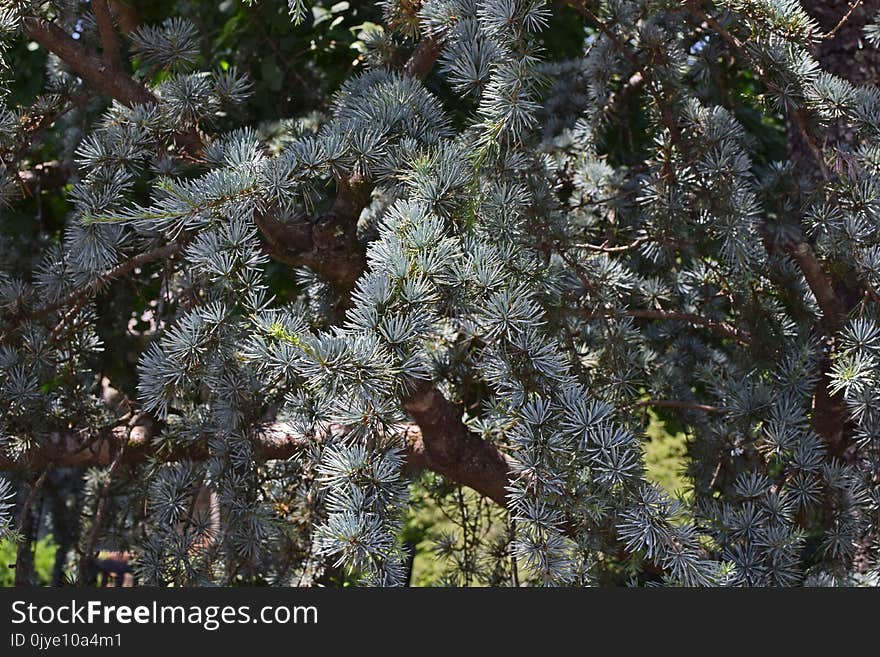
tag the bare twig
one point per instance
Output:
(852, 7)
(604, 248)
(68, 317)
(715, 474)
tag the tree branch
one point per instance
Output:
(27, 526)
(721, 328)
(92, 70)
(88, 553)
(830, 415)
(107, 30)
(444, 444)
(605, 248)
(685, 405)
(78, 449)
(440, 443)
(423, 58)
(329, 245)
(819, 282)
(44, 176)
(123, 268)
(831, 33)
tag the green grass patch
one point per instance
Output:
(666, 456)
(44, 560)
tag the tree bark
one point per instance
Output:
(443, 444)
(328, 245)
(92, 70)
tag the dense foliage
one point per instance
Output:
(273, 275)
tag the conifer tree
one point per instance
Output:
(253, 313)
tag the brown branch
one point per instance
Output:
(852, 7)
(24, 556)
(94, 72)
(78, 449)
(830, 417)
(819, 282)
(722, 328)
(440, 443)
(32, 496)
(443, 443)
(106, 76)
(423, 58)
(620, 97)
(604, 248)
(49, 174)
(685, 405)
(44, 176)
(68, 317)
(126, 15)
(107, 30)
(329, 245)
(123, 268)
